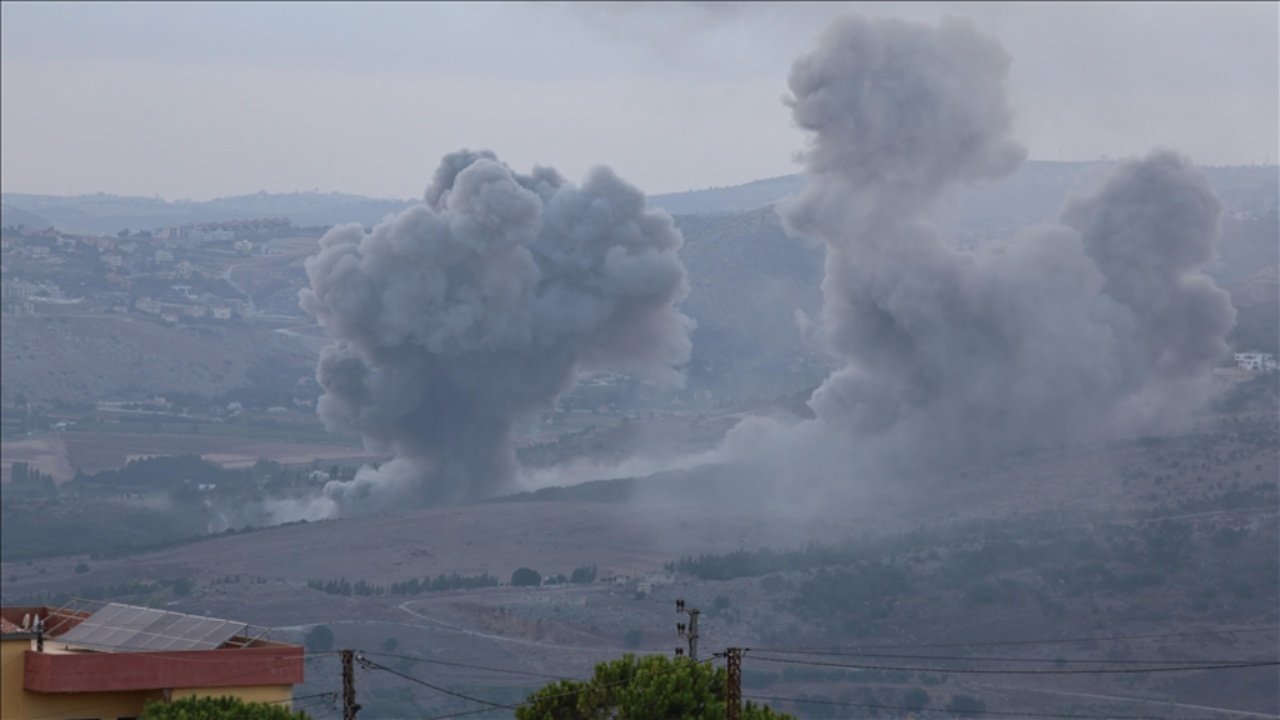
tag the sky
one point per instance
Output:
(195, 101)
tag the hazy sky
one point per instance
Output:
(191, 100)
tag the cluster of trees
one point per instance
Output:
(442, 582)
(180, 477)
(134, 590)
(523, 577)
(653, 687)
(28, 482)
(416, 586)
(745, 563)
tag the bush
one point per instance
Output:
(221, 708)
(525, 577)
(82, 568)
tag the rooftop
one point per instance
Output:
(97, 647)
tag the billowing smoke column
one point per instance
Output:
(1100, 324)
(454, 318)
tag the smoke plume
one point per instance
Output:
(1099, 324)
(460, 315)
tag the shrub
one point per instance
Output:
(221, 708)
(525, 577)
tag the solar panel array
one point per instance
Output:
(126, 628)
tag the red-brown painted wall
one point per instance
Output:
(107, 672)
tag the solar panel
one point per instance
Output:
(126, 628)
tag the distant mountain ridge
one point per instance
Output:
(1032, 194)
(1045, 184)
(103, 213)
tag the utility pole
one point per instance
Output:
(733, 684)
(691, 633)
(349, 705)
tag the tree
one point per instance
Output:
(526, 576)
(653, 687)
(319, 639)
(221, 708)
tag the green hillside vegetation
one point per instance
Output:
(148, 504)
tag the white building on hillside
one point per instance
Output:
(1257, 361)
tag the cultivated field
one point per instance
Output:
(61, 454)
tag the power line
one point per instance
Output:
(329, 701)
(988, 658)
(1041, 641)
(993, 671)
(556, 696)
(328, 695)
(1002, 713)
(415, 658)
(369, 664)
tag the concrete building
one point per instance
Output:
(1256, 361)
(110, 661)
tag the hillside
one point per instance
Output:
(77, 359)
(109, 214)
(10, 216)
(1031, 194)
(1161, 537)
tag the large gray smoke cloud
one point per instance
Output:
(456, 317)
(1102, 323)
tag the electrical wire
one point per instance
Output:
(993, 671)
(1002, 713)
(1040, 641)
(988, 658)
(371, 665)
(328, 695)
(557, 696)
(415, 658)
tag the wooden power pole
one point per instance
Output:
(733, 684)
(349, 705)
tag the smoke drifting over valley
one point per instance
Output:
(460, 315)
(1104, 323)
